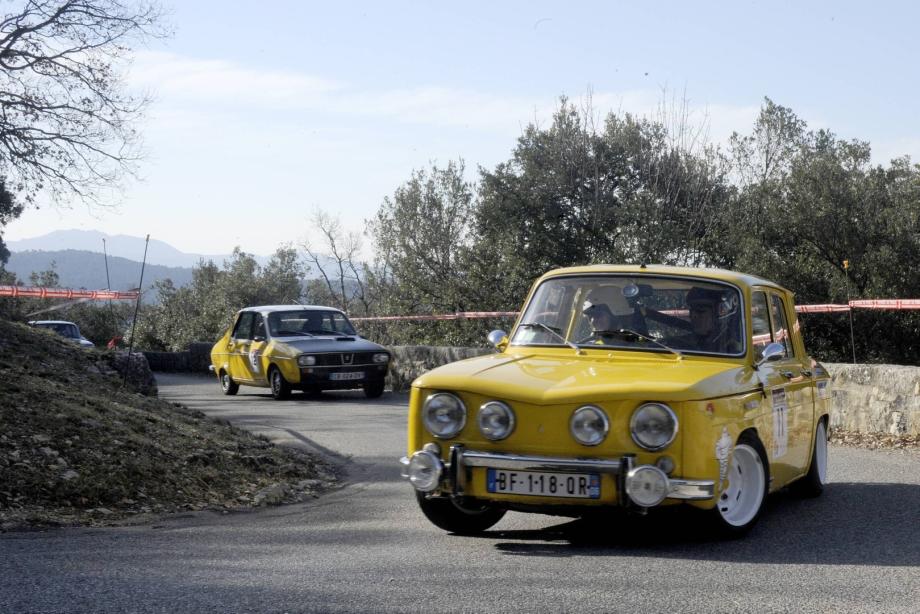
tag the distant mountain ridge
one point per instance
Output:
(122, 246)
(85, 269)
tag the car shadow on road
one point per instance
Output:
(850, 524)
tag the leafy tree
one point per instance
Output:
(810, 201)
(422, 240)
(10, 209)
(202, 310)
(570, 195)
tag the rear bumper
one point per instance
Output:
(456, 471)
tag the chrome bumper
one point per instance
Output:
(461, 458)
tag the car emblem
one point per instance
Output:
(347, 359)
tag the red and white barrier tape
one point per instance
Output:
(821, 308)
(460, 315)
(887, 303)
(102, 295)
(66, 293)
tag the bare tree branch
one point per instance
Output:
(67, 123)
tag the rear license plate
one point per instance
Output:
(571, 485)
(347, 376)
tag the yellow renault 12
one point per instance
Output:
(630, 387)
(307, 347)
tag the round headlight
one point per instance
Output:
(496, 420)
(381, 357)
(589, 425)
(653, 426)
(647, 485)
(425, 470)
(444, 415)
(306, 361)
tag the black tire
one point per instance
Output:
(444, 513)
(280, 387)
(373, 390)
(812, 483)
(748, 482)
(227, 385)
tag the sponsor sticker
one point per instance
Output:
(780, 423)
(254, 360)
(824, 391)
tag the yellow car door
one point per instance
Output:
(239, 346)
(789, 391)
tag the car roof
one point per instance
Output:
(274, 308)
(34, 322)
(732, 277)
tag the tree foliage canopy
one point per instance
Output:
(786, 203)
(202, 310)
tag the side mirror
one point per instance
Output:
(499, 339)
(771, 353)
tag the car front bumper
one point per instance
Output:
(324, 377)
(455, 473)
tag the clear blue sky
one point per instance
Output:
(264, 111)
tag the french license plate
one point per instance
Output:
(347, 375)
(571, 485)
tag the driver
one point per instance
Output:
(706, 334)
(606, 309)
(599, 315)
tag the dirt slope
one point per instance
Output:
(78, 448)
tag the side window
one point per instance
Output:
(243, 328)
(258, 329)
(780, 330)
(760, 323)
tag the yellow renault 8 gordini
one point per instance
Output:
(630, 387)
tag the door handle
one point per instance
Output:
(806, 372)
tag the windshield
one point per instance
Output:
(308, 322)
(647, 313)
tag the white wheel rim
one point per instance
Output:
(821, 452)
(741, 500)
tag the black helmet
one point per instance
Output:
(700, 295)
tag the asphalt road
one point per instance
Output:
(366, 547)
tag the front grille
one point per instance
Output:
(344, 358)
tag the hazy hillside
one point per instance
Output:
(123, 246)
(82, 269)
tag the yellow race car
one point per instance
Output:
(311, 348)
(629, 387)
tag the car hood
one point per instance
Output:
(550, 379)
(329, 343)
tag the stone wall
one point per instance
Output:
(410, 361)
(876, 398)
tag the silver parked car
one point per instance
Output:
(66, 329)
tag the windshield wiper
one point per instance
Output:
(553, 332)
(627, 332)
